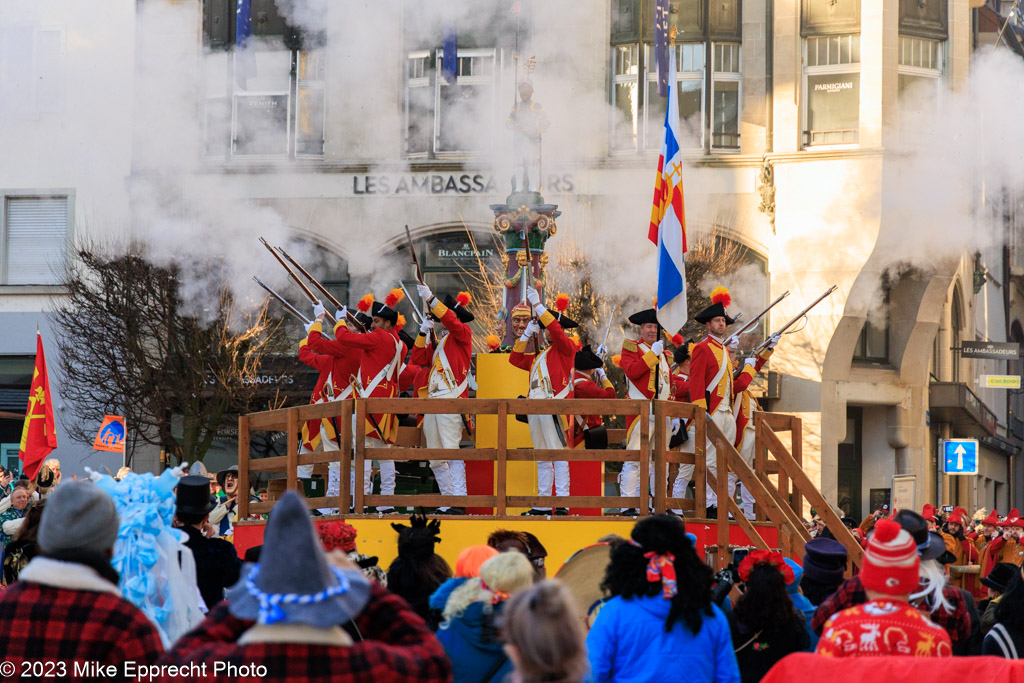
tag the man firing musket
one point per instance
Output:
(382, 354)
(648, 377)
(550, 369)
(712, 385)
(448, 358)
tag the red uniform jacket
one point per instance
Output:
(559, 358)
(680, 387)
(639, 363)
(708, 357)
(584, 387)
(458, 349)
(379, 351)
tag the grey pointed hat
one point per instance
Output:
(293, 582)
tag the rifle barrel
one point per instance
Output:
(281, 300)
(415, 311)
(351, 319)
(753, 321)
(792, 321)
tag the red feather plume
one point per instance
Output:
(562, 302)
(393, 297)
(400, 324)
(493, 342)
(677, 340)
(720, 295)
(464, 299)
(366, 303)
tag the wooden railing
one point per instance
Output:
(779, 503)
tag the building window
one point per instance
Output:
(956, 325)
(268, 101)
(725, 96)
(450, 119)
(831, 90)
(32, 70)
(465, 108)
(633, 104)
(34, 238)
(920, 69)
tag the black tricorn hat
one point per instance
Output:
(406, 339)
(648, 316)
(564, 321)
(453, 305)
(193, 495)
(713, 311)
(720, 299)
(681, 354)
(379, 310)
(587, 359)
(364, 319)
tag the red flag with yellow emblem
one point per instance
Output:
(39, 436)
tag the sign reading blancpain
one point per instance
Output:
(401, 184)
(987, 349)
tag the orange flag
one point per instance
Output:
(39, 436)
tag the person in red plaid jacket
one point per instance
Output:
(283, 621)
(66, 609)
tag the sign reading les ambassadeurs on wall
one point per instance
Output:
(989, 349)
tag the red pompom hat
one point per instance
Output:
(890, 561)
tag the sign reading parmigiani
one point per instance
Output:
(988, 349)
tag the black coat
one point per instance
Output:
(217, 565)
(756, 655)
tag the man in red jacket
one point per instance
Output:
(589, 380)
(550, 377)
(711, 380)
(333, 384)
(648, 377)
(382, 354)
(449, 362)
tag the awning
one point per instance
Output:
(956, 404)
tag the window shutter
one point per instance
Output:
(37, 232)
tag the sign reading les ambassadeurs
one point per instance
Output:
(989, 349)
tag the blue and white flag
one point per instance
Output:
(668, 217)
(245, 58)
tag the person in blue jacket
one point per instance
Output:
(470, 630)
(659, 623)
(800, 601)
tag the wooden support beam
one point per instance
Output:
(810, 491)
(501, 464)
(292, 464)
(743, 522)
(243, 466)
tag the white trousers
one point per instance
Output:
(685, 473)
(387, 473)
(445, 431)
(544, 434)
(726, 421)
(747, 453)
(629, 478)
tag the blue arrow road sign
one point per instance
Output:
(960, 456)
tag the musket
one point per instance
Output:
(349, 318)
(415, 311)
(295, 278)
(431, 338)
(281, 299)
(763, 345)
(608, 329)
(749, 325)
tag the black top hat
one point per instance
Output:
(379, 310)
(193, 496)
(222, 475)
(364, 319)
(930, 545)
(681, 354)
(649, 315)
(1000, 576)
(587, 359)
(460, 310)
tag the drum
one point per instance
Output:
(582, 574)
